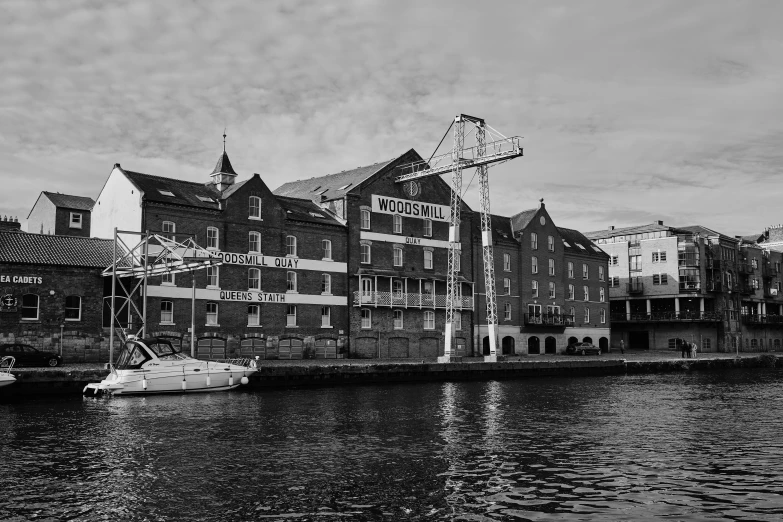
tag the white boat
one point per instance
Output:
(6, 377)
(147, 366)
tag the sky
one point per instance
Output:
(630, 111)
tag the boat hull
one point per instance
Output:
(7, 380)
(174, 380)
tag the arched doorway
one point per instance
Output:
(603, 344)
(550, 345)
(588, 340)
(508, 345)
(533, 345)
(572, 340)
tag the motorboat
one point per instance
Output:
(6, 377)
(147, 366)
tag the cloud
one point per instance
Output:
(629, 111)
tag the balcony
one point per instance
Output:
(400, 300)
(745, 268)
(549, 320)
(636, 287)
(690, 286)
(713, 286)
(767, 270)
(746, 289)
(663, 317)
(762, 320)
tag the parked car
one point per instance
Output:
(26, 355)
(583, 349)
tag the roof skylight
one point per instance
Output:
(566, 243)
(580, 246)
(166, 193)
(345, 186)
(316, 214)
(206, 199)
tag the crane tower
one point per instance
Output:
(479, 156)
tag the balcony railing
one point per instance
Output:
(635, 288)
(549, 320)
(690, 286)
(713, 286)
(745, 268)
(667, 317)
(775, 320)
(401, 300)
(746, 289)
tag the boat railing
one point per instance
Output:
(238, 361)
(6, 363)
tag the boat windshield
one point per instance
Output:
(132, 357)
(163, 349)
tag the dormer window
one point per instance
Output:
(205, 199)
(254, 208)
(76, 220)
(166, 193)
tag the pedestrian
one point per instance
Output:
(622, 346)
(693, 350)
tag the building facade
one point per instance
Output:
(60, 214)
(692, 283)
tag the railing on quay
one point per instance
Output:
(403, 300)
(755, 319)
(690, 286)
(668, 316)
(635, 288)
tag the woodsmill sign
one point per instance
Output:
(413, 209)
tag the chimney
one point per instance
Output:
(611, 227)
(542, 203)
(659, 222)
(8, 223)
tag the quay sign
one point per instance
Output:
(21, 280)
(413, 209)
(231, 258)
(251, 297)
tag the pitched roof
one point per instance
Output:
(185, 193)
(653, 227)
(224, 165)
(522, 219)
(306, 210)
(574, 238)
(501, 226)
(68, 201)
(331, 186)
(41, 249)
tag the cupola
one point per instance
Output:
(223, 176)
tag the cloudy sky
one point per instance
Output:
(630, 111)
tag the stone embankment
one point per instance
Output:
(71, 379)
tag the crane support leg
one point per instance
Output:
(488, 257)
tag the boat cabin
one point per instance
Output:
(138, 351)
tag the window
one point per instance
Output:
(365, 252)
(705, 344)
(212, 238)
(754, 263)
(614, 281)
(398, 323)
(366, 318)
(254, 315)
(571, 292)
(534, 287)
(755, 283)
(397, 224)
(534, 264)
(585, 271)
(507, 286)
(290, 281)
(397, 256)
(327, 248)
(365, 213)
(600, 273)
(602, 314)
(613, 260)
(428, 259)
(290, 246)
(587, 315)
(533, 241)
(213, 278)
(570, 270)
(660, 279)
(429, 320)
(636, 262)
(397, 288)
(326, 284)
(166, 312)
(76, 220)
(551, 289)
(254, 242)
(659, 257)
(326, 316)
(427, 228)
(205, 199)
(254, 211)
(551, 267)
(168, 228)
(601, 295)
(507, 262)
(572, 312)
(458, 321)
(290, 315)
(551, 243)
(167, 279)
(507, 312)
(586, 292)
(212, 314)
(254, 279)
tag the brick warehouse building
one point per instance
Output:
(693, 283)
(51, 293)
(552, 288)
(284, 296)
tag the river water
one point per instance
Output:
(704, 446)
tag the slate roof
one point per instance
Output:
(575, 238)
(334, 185)
(501, 227)
(306, 210)
(68, 201)
(41, 249)
(704, 231)
(185, 192)
(521, 220)
(224, 165)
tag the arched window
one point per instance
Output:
(254, 279)
(290, 246)
(327, 248)
(428, 259)
(213, 239)
(254, 242)
(397, 256)
(588, 340)
(533, 265)
(365, 218)
(254, 211)
(603, 315)
(73, 308)
(754, 343)
(30, 307)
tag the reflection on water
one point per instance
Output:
(680, 447)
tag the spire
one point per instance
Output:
(223, 175)
(224, 140)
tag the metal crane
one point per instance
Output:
(480, 156)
